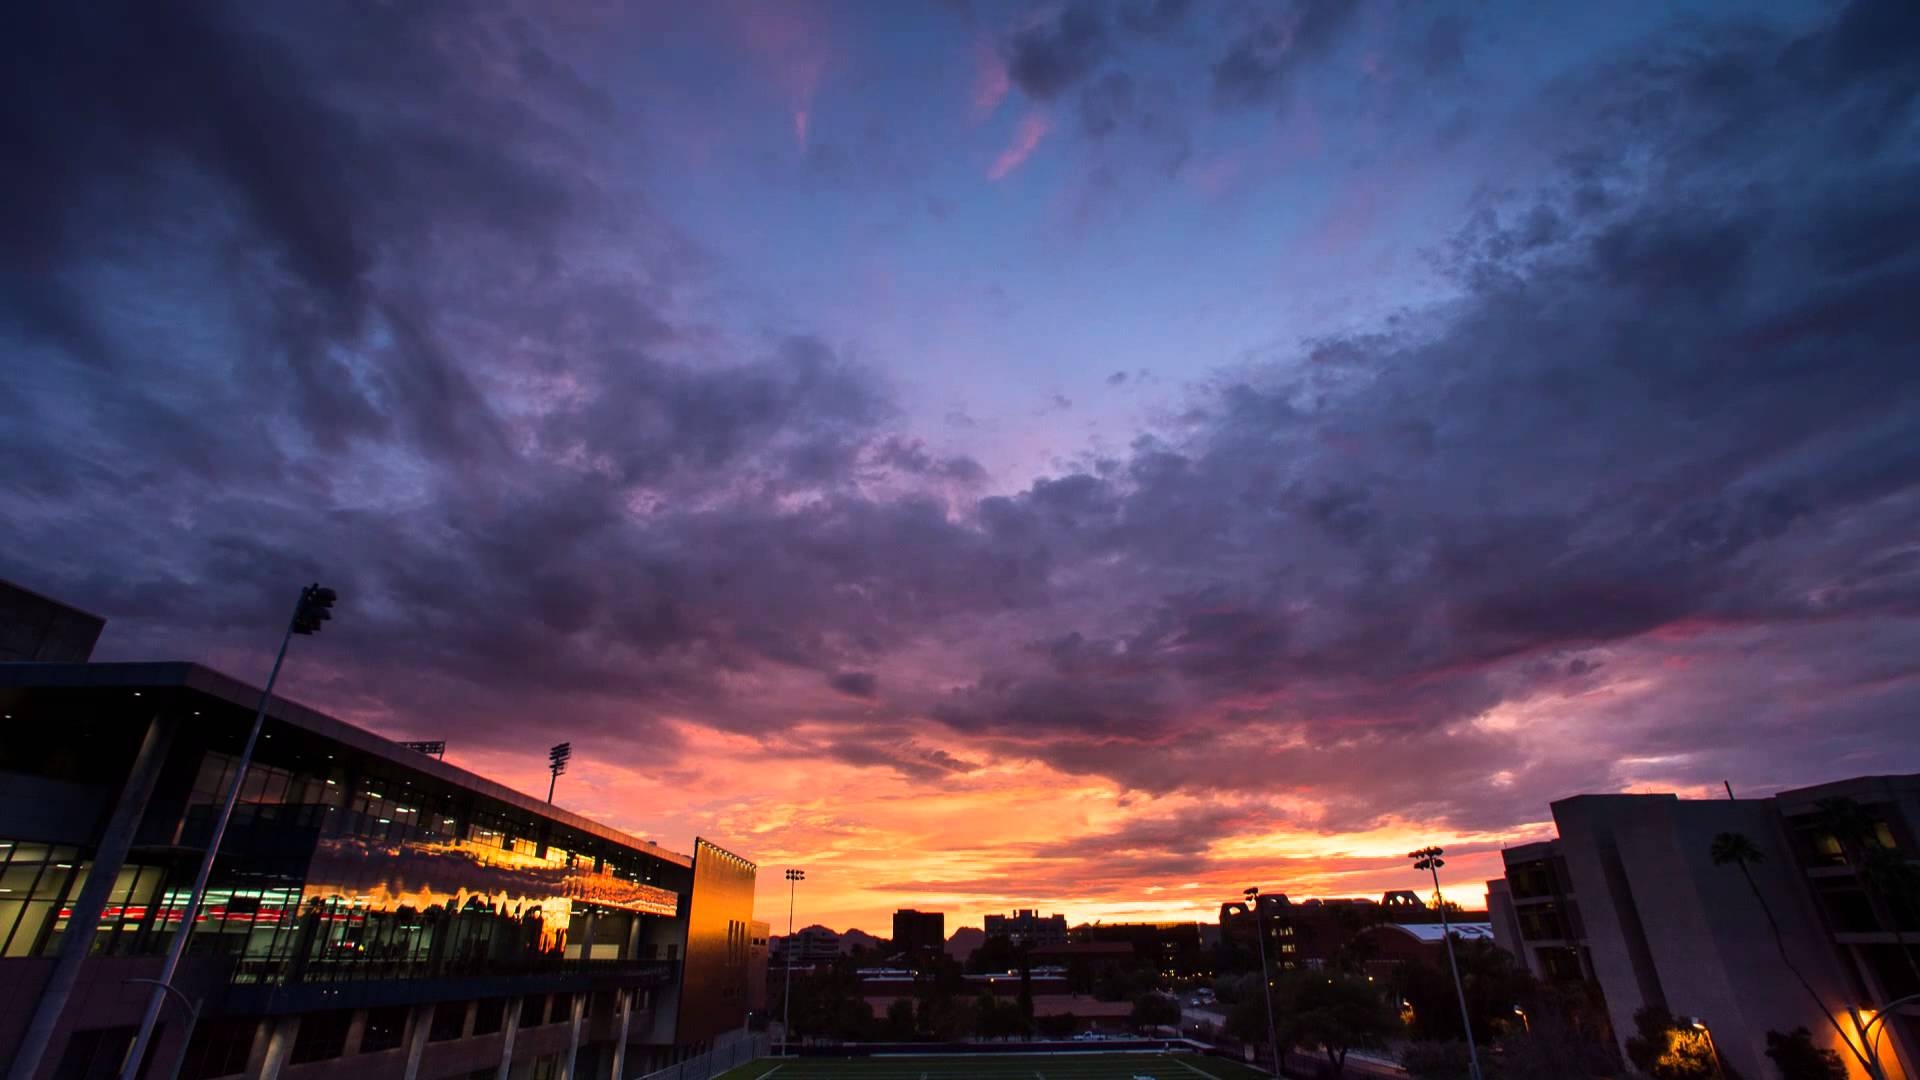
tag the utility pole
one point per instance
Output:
(786, 1000)
(557, 758)
(1428, 859)
(1266, 983)
(314, 607)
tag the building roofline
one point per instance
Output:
(185, 675)
(37, 595)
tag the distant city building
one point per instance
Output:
(1628, 899)
(1170, 948)
(1312, 933)
(809, 945)
(1027, 927)
(757, 966)
(919, 931)
(34, 627)
(374, 912)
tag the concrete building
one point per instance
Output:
(807, 946)
(1628, 898)
(1171, 948)
(1028, 927)
(34, 627)
(374, 911)
(1311, 933)
(919, 931)
(757, 966)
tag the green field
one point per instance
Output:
(1071, 1066)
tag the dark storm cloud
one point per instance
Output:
(1642, 413)
(858, 684)
(1258, 66)
(1051, 54)
(402, 347)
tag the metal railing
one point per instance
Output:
(734, 1053)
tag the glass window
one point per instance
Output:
(531, 1010)
(386, 1029)
(489, 1015)
(322, 1036)
(219, 1047)
(449, 1021)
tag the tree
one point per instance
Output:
(1436, 1060)
(899, 1024)
(1334, 1013)
(1665, 1050)
(1798, 1059)
(1739, 851)
(1154, 1010)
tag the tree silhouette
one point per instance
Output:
(1739, 851)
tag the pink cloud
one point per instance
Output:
(990, 80)
(800, 126)
(1026, 137)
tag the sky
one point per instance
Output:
(1091, 456)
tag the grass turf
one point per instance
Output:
(1066, 1066)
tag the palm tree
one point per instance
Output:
(1738, 850)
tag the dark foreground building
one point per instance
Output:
(1629, 899)
(375, 913)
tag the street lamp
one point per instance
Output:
(1869, 1038)
(1428, 859)
(314, 607)
(1526, 1024)
(1252, 894)
(1700, 1026)
(794, 877)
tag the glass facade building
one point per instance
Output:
(371, 906)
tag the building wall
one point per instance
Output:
(1666, 927)
(714, 987)
(919, 931)
(34, 627)
(358, 883)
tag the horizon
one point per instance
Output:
(1056, 454)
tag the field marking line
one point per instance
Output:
(775, 1069)
(1195, 1069)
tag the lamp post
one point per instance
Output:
(1869, 1039)
(557, 764)
(1252, 894)
(314, 607)
(1428, 859)
(1526, 1024)
(1700, 1026)
(786, 1001)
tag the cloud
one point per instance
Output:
(1260, 64)
(1631, 504)
(1026, 138)
(1056, 50)
(857, 684)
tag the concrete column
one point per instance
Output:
(418, 1024)
(506, 1037)
(108, 857)
(573, 1036)
(624, 1002)
(356, 1031)
(279, 1047)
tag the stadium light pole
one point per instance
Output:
(1252, 894)
(557, 759)
(1428, 859)
(786, 999)
(314, 607)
